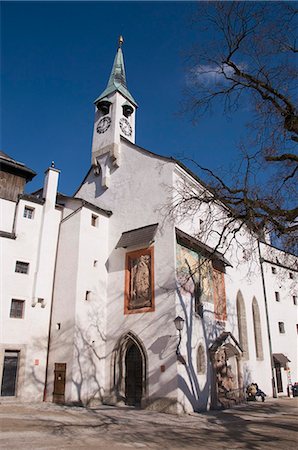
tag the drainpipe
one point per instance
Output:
(51, 317)
(268, 323)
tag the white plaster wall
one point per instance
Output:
(137, 197)
(80, 341)
(7, 210)
(285, 310)
(29, 334)
(244, 276)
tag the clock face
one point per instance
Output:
(125, 127)
(103, 125)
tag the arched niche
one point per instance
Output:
(242, 325)
(257, 329)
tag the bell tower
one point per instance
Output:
(115, 112)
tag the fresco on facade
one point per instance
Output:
(192, 268)
(140, 282)
(220, 304)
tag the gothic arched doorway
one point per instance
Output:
(130, 369)
(133, 375)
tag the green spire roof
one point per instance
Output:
(117, 80)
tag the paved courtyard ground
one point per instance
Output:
(269, 425)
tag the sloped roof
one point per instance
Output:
(281, 359)
(10, 165)
(117, 80)
(221, 339)
(139, 236)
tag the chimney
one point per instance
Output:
(51, 185)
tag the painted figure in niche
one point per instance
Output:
(224, 375)
(140, 282)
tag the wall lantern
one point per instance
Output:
(179, 323)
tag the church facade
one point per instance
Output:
(110, 297)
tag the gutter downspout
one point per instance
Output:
(51, 316)
(268, 324)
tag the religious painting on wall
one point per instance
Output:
(220, 304)
(194, 271)
(139, 281)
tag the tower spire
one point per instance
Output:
(117, 80)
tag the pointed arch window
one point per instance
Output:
(242, 325)
(201, 360)
(257, 329)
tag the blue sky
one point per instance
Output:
(56, 58)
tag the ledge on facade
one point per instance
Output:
(61, 199)
(7, 234)
(32, 198)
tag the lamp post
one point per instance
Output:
(179, 323)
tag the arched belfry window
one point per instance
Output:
(201, 360)
(242, 325)
(257, 328)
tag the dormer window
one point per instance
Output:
(127, 109)
(104, 106)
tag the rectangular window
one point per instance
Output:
(17, 309)
(273, 270)
(291, 275)
(87, 296)
(277, 296)
(22, 267)
(139, 282)
(28, 212)
(281, 327)
(295, 299)
(94, 220)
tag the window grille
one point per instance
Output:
(94, 220)
(17, 309)
(22, 267)
(281, 327)
(28, 212)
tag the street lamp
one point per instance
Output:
(179, 323)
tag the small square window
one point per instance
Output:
(277, 296)
(28, 212)
(291, 275)
(41, 302)
(17, 309)
(294, 299)
(94, 220)
(22, 267)
(273, 270)
(281, 327)
(95, 263)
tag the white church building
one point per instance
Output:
(109, 297)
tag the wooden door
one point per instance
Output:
(133, 376)
(9, 376)
(59, 383)
(278, 378)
